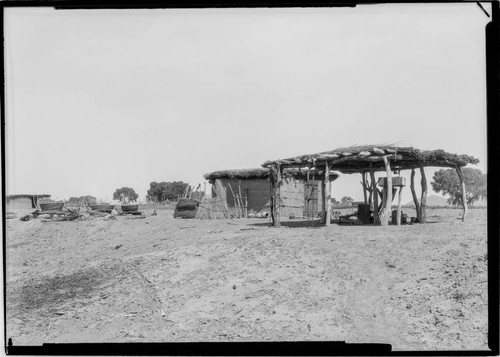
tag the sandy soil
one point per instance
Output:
(161, 279)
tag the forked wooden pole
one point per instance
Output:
(328, 195)
(323, 201)
(414, 194)
(376, 215)
(276, 174)
(363, 175)
(423, 197)
(370, 191)
(399, 205)
(386, 211)
(464, 192)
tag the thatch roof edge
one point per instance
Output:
(258, 173)
(357, 157)
(253, 173)
(13, 197)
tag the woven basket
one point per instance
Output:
(52, 206)
(130, 208)
(104, 207)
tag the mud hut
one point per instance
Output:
(366, 160)
(254, 186)
(24, 201)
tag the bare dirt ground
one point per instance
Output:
(161, 279)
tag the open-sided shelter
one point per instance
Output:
(366, 160)
(254, 185)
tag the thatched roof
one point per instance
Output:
(14, 197)
(255, 173)
(369, 157)
(261, 173)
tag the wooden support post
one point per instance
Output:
(240, 203)
(423, 197)
(271, 192)
(323, 201)
(280, 179)
(383, 199)
(370, 197)
(414, 194)
(399, 206)
(275, 177)
(464, 192)
(246, 202)
(363, 174)
(376, 217)
(386, 211)
(394, 191)
(328, 195)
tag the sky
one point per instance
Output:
(101, 99)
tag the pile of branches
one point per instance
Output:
(192, 193)
(66, 214)
(71, 214)
(362, 157)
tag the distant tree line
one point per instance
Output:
(165, 191)
(158, 192)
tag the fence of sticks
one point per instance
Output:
(214, 208)
(240, 203)
(190, 192)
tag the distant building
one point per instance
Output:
(24, 201)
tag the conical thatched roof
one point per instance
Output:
(364, 157)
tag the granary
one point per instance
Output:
(24, 201)
(366, 160)
(252, 187)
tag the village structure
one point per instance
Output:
(366, 160)
(296, 187)
(254, 186)
(301, 186)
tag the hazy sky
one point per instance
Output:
(100, 99)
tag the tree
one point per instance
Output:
(125, 194)
(447, 182)
(160, 192)
(346, 199)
